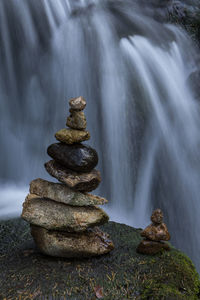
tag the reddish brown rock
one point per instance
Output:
(154, 234)
(157, 216)
(151, 247)
(83, 182)
(157, 232)
(92, 242)
(77, 103)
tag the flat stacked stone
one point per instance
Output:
(64, 216)
(155, 234)
(83, 182)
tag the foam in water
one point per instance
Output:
(141, 112)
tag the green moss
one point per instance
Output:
(177, 280)
(123, 274)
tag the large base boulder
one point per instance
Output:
(92, 242)
(121, 274)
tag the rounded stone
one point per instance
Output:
(71, 136)
(151, 247)
(78, 103)
(157, 232)
(157, 216)
(77, 120)
(76, 157)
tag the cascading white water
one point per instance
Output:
(141, 112)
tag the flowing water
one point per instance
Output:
(142, 113)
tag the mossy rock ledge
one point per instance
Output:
(122, 274)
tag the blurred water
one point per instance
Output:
(142, 115)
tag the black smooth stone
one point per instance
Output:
(77, 157)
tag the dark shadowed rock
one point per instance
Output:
(157, 232)
(84, 182)
(77, 157)
(151, 247)
(61, 193)
(71, 136)
(58, 216)
(92, 242)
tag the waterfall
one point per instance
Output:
(142, 113)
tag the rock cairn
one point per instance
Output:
(64, 216)
(154, 235)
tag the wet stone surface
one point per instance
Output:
(77, 157)
(84, 182)
(151, 247)
(157, 232)
(53, 215)
(92, 242)
(62, 193)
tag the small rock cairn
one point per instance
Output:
(64, 216)
(154, 235)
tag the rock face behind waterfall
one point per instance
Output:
(123, 274)
(63, 216)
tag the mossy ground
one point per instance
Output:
(123, 274)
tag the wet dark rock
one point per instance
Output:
(122, 273)
(92, 242)
(151, 247)
(77, 157)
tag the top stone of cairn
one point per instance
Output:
(77, 104)
(157, 216)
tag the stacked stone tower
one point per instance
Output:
(64, 216)
(154, 235)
